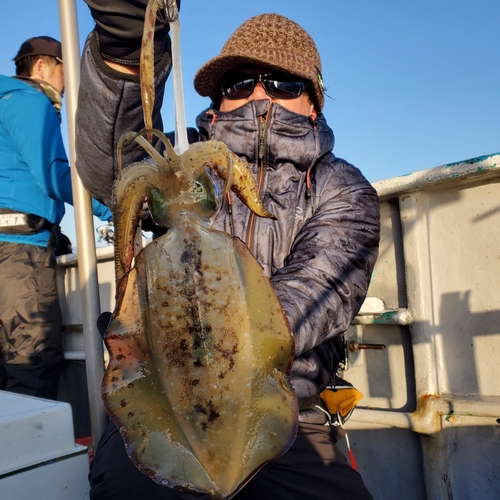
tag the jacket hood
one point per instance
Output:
(10, 84)
(271, 130)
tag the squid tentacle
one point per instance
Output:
(136, 183)
(146, 64)
(229, 167)
(130, 194)
(128, 137)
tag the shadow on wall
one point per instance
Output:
(390, 462)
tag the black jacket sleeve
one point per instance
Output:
(120, 23)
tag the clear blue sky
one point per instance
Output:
(413, 84)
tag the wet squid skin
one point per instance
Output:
(200, 349)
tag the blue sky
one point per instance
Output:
(413, 84)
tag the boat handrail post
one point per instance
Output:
(85, 238)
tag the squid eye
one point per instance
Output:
(198, 187)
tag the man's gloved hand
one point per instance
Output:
(103, 322)
(119, 24)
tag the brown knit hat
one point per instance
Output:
(267, 40)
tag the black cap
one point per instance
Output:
(40, 46)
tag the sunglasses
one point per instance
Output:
(276, 85)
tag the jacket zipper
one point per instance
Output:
(261, 164)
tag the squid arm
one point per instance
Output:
(229, 167)
(146, 63)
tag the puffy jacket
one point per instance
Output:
(35, 176)
(320, 251)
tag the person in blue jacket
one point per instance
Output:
(35, 183)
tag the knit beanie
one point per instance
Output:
(269, 40)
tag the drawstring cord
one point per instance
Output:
(338, 423)
(354, 463)
(312, 118)
(211, 112)
(314, 123)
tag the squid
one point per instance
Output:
(199, 347)
(200, 350)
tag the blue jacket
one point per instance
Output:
(35, 176)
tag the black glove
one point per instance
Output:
(103, 322)
(120, 23)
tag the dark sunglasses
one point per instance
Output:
(276, 85)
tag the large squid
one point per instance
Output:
(199, 346)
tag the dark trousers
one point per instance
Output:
(312, 469)
(31, 355)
